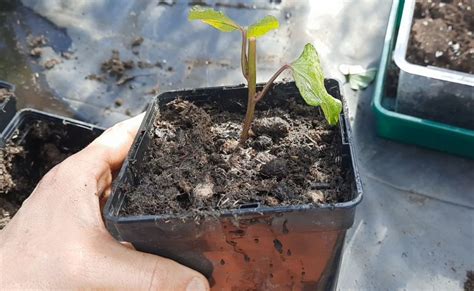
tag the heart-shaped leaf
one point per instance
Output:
(265, 25)
(309, 79)
(214, 18)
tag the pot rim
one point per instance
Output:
(112, 214)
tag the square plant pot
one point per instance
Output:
(403, 127)
(32, 144)
(7, 104)
(253, 246)
(429, 92)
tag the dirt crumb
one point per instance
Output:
(137, 41)
(316, 195)
(153, 91)
(144, 65)
(67, 55)
(4, 94)
(262, 142)
(49, 64)
(125, 79)
(274, 127)
(128, 64)
(36, 52)
(97, 77)
(277, 168)
(115, 67)
(203, 190)
(36, 41)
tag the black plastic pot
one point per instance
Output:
(34, 163)
(8, 106)
(80, 133)
(254, 247)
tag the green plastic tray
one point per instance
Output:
(409, 129)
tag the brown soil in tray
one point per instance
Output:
(23, 163)
(442, 35)
(195, 166)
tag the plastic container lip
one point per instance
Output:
(113, 215)
(19, 118)
(241, 212)
(7, 85)
(400, 51)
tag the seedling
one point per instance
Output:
(306, 70)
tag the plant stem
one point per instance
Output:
(243, 56)
(252, 88)
(269, 84)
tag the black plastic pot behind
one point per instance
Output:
(79, 133)
(8, 106)
(253, 247)
(29, 167)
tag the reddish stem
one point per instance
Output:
(252, 88)
(269, 84)
(243, 55)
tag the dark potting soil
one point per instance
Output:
(442, 35)
(393, 73)
(469, 283)
(195, 166)
(24, 162)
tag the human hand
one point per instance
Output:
(58, 238)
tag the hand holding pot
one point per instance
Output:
(58, 239)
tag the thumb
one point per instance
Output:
(129, 269)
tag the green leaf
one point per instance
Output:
(359, 77)
(265, 25)
(309, 79)
(214, 18)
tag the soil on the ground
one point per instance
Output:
(194, 164)
(115, 66)
(24, 161)
(36, 44)
(442, 35)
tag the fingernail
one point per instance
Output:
(196, 284)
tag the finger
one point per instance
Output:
(104, 197)
(120, 266)
(127, 245)
(103, 156)
(113, 145)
